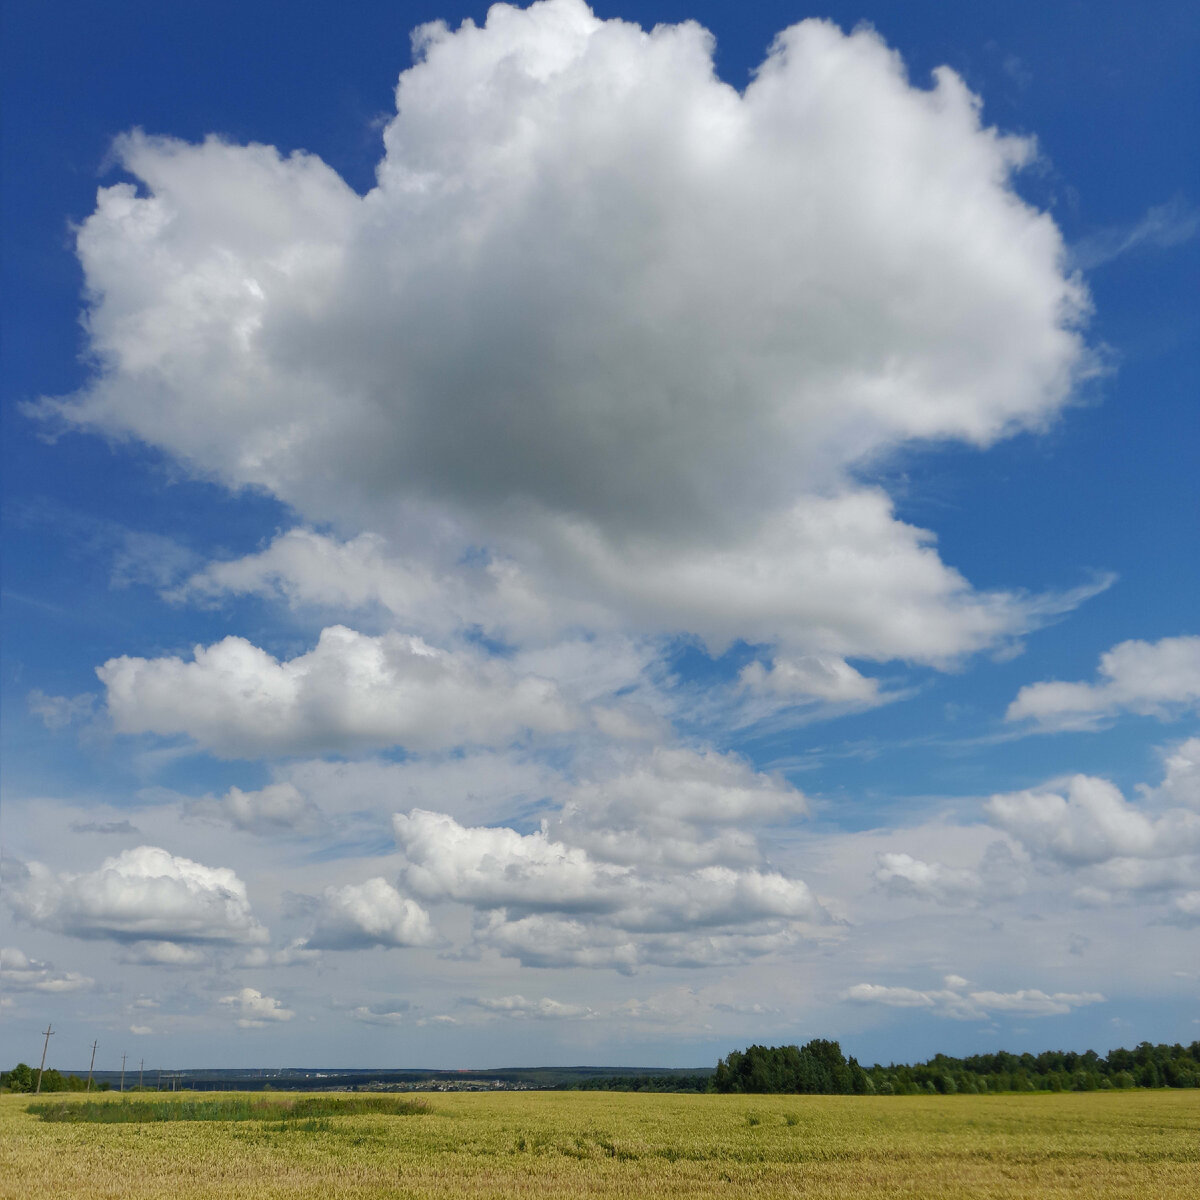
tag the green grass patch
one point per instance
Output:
(226, 1108)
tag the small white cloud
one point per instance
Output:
(147, 558)
(276, 808)
(1181, 776)
(1031, 1002)
(997, 876)
(140, 1030)
(952, 1001)
(893, 997)
(546, 940)
(19, 973)
(1159, 679)
(163, 954)
(901, 874)
(253, 1009)
(677, 808)
(1018, 71)
(1185, 909)
(395, 1013)
(684, 1009)
(295, 954)
(313, 570)
(829, 679)
(369, 914)
(545, 1009)
(57, 712)
(494, 867)
(549, 940)
(438, 1019)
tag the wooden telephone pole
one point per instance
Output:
(45, 1047)
(123, 1058)
(91, 1065)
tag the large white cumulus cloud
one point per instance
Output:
(1089, 821)
(143, 894)
(609, 317)
(350, 691)
(369, 914)
(1079, 834)
(634, 870)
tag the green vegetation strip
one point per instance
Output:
(226, 1108)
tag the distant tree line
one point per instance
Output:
(680, 1082)
(23, 1078)
(820, 1068)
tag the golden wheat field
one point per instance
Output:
(594, 1144)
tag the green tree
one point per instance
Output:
(19, 1079)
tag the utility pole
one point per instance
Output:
(123, 1058)
(91, 1065)
(45, 1047)
(141, 1064)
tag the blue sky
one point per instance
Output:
(664, 543)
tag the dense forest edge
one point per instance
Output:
(820, 1068)
(817, 1068)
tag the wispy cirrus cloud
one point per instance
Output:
(1162, 227)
